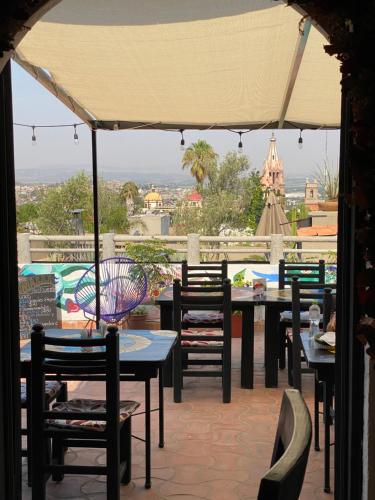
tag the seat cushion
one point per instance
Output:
(127, 408)
(304, 316)
(203, 317)
(52, 389)
(185, 334)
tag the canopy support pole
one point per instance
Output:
(296, 63)
(96, 223)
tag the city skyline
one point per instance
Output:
(148, 153)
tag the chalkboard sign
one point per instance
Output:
(37, 302)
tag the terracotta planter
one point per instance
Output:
(236, 326)
(328, 205)
(137, 321)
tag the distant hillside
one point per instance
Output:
(59, 174)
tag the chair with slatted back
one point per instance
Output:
(284, 479)
(313, 272)
(198, 275)
(303, 293)
(204, 341)
(79, 422)
(54, 391)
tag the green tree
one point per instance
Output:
(295, 214)
(129, 190)
(57, 204)
(201, 159)
(27, 213)
(232, 193)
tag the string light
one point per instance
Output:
(300, 140)
(115, 126)
(182, 142)
(33, 137)
(75, 136)
(240, 145)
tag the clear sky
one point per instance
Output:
(142, 151)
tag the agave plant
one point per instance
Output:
(328, 179)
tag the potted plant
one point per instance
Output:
(137, 318)
(155, 259)
(236, 324)
(328, 179)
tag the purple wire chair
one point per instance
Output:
(123, 286)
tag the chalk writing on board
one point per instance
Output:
(37, 302)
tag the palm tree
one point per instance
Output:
(201, 159)
(128, 194)
(128, 191)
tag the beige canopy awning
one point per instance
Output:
(273, 219)
(185, 64)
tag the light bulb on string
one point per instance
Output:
(300, 140)
(182, 142)
(240, 145)
(115, 126)
(75, 136)
(33, 137)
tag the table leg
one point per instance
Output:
(327, 405)
(166, 323)
(271, 345)
(247, 348)
(161, 409)
(148, 432)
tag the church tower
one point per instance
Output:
(273, 171)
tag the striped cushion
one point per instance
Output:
(52, 388)
(185, 342)
(127, 408)
(203, 317)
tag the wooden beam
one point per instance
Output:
(294, 68)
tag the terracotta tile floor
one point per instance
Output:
(212, 451)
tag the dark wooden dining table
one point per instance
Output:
(143, 355)
(323, 363)
(243, 299)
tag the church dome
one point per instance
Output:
(153, 196)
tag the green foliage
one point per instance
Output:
(231, 199)
(201, 159)
(155, 258)
(129, 190)
(297, 213)
(26, 213)
(328, 179)
(57, 204)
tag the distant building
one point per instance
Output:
(153, 200)
(311, 195)
(194, 200)
(273, 171)
(150, 224)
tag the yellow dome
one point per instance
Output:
(153, 196)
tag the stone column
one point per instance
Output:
(23, 248)
(277, 248)
(193, 250)
(109, 247)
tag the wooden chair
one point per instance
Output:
(303, 294)
(198, 275)
(54, 391)
(312, 273)
(207, 341)
(284, 479)
(79, 422)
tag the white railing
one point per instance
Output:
(193, 246)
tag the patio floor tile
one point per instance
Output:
(212, 451)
